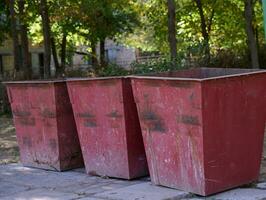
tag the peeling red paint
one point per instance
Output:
(45, 126)
(48, 113)
(213, 121)
(114, 115)
(190, 120)
(26, 121)
(113, 146)
(19, 113)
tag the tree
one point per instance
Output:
(4, 21)
(94, 60)
(26, 58)
(107, 19)
(14, 33)
(205, 27)
(64, 20)
(102, 52)
(47, 37)
(4, 28)
(63, 51)
(172, 29)
(251, 36)
(67, 21)
(201, 28)
(55, 55)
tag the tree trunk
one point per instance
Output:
(204, 29)
(47, 37)
(172, 29)
(94, 60)
(63, 53)
(251, 37)
(1, 67)
(26, 57)
(14, 32)
(102, 53)
(55, 56)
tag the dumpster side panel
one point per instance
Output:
(234, 112)
(136, 154)
(99, 114)
(171, 122)
(69, 147)
(33, 107)
(20, 112)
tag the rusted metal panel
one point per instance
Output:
(108, 127)
(207, 137)
(45, 125)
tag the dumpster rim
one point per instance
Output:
(96, 78)
(34, 81)
(255, 72)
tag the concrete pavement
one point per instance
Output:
(21, 183)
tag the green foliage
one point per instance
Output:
(109, 70)
(227, 32)
(4, 21)
(85, 22)
(106, 18)
(158, 65)
(74, 73)
(143, 24)
(112, 70)
(150, 66)
(91, 18)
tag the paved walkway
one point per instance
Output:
(20, 183)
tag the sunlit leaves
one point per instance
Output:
(227, 28)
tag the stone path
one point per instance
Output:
(21, 183)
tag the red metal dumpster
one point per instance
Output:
(108, 127)
(202, 128)
(45, 125)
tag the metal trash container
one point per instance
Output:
(202, 128)
(108, 127)
(45, 125)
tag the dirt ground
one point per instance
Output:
(8, 146)
(9, 152)
(263, 164)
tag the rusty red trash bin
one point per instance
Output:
(108, 127)
(202, 128)
(45, 125)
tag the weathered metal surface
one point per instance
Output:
(45, 125)
(204, 138)
(108, 127)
